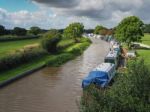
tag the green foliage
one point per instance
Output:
(60, 59)
(129, 30)
(77, 49)
(98, 29)
(146, 28)
(68, 54)
(19, 31)
(35, 30)
(20, 57)
(2, 30)
(129, 93)
(5, 38)
(50, 41)
(74, 31)
(64, 43)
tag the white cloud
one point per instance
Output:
(59, 13)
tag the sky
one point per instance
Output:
(59, 13)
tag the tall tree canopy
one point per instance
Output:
(35, 30)
(74, 30)
(129, 30)
(99, 29)
(50, 40)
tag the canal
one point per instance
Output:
(53, 89)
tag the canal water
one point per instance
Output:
(53, 89)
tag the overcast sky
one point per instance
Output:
(59, 13)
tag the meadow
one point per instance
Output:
(10, 46)
(145, 54)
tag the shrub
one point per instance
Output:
(20, 57)
(14, 38)
(64, 43)
(60, 59)
(129, 93)
(50, 41)
(77, 48)
(68, 54)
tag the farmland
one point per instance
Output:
(10, 46)
(145, 54)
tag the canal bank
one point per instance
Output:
(49, 60)
(53, 89)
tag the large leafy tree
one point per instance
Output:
(99, 29)
(129, 30)
(35, 30)
(74, 30)
(50, 40)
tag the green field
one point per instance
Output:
(145, 54)
(146, 39)
(7, 47)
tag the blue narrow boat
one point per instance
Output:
(100, 76)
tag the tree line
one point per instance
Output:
(20, 31)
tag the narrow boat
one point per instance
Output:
(100, 76)
(112, 57)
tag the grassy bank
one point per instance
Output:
(71, 51)
(10, 46)
(146, 39)
(145, 54)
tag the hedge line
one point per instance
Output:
(14, 38)
(21, 57)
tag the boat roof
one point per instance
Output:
(104, 67)
(112, 54)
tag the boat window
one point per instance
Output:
(110, 61)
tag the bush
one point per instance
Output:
(20, 57)
(68, 54)
(64, 43)
(50, 41)
(77, 49)
(129, 93)
(60, 59)
(5, 38)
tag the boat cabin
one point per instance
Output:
(112, 57)
(100, 76)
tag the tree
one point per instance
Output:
(50, 40)
(19, 31)
(98, 29)
(129, 30)
(74, 31)
(146, 28)
(2, 30)
(35, 30)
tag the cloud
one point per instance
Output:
(59, 3)
(98, 9)
(59, 13)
